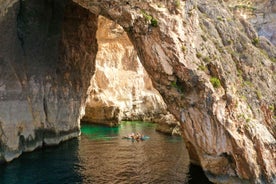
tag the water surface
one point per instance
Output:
(100, 155)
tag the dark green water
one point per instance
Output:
(100, 155)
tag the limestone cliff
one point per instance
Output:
(120, 89)
(261, 13)
(208, 66)
(214, 72)
(44, 73)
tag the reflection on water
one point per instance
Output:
(100, 155)
(160, 159)
(58, 164)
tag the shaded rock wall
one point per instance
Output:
(120, 89)
(44, 53)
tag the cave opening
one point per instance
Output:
(120, 89)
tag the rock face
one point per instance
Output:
(168, 124)
(120, 89)
(261, 13)
(44, 74)
(214, 72)
(206, 64)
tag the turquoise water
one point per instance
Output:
(100, 155)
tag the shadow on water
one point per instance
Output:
(197, 175)
(55, 164)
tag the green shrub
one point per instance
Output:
(149, 18)
(239, 72)
(198, 55)
(177, 3)
(207, 59)
(255, 41)
(271, 107)
(259, 94)
(219, 18)
(183, 48)
(204, 38)
(202, 67)
(245, 7)
(244, 97)
(273, 59)
(173, 83)
(215, 82)
(177, 86)
(248, 83)
(154, 22)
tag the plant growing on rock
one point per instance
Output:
(202, 67)
(183, 48)
(149, 18)
(215, 82)
(198, 55)
(219, 18)
(177, 86)
(245, 7)
(272, 108)
(207, 59)
(154, 22)
(255, 41)
(177, 3)
(271, 58)
(259, 94)
(204, 38)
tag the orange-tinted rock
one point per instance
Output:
(120, 80)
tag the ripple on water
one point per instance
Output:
(100, 155)
(161, 159)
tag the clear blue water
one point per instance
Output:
(100, 155)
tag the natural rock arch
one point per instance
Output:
(180, 45)
(170, 55)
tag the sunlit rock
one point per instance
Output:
(121, 88)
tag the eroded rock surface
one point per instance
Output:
(261, 13)
(214, 75)
(120, 89)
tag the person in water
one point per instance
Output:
(138, 137)
(135, 136)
